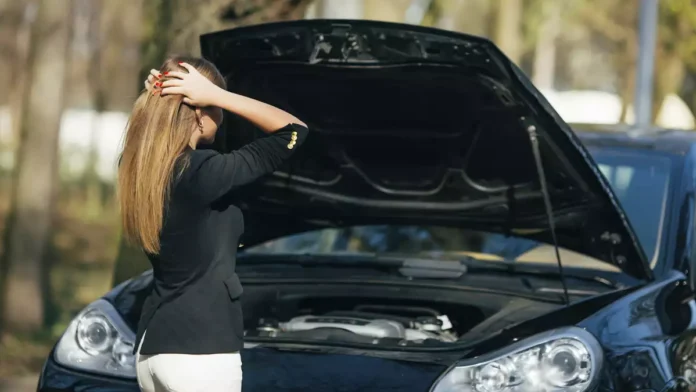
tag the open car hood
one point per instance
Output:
(413, 125)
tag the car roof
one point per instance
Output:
(673, 141)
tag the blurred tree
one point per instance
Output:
(544, 64)
(16, 19)
(29, 222)
(614, 24)
(89, 40)
(675, 55)
(110, 29)
(174, 27)
(15, 23)
(676, 51)
(388, 11)
(467, 16)
(508, 28)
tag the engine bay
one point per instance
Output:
(362, 327)
(375, 321)
(376, 314)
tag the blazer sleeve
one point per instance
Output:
(215, 174)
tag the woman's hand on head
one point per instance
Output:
(152, 79)
(197, 90)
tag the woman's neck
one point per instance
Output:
(193, 142)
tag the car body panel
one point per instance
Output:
(634, 325)
(435, 169)
(277, 370)
(640, 354)
(678, 246)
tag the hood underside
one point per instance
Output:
(413, 125)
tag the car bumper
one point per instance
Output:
(55, 377)
(271, 370)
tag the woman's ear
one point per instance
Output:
(199, 119)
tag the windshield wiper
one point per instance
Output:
(413, 267)
(510, 267)
(417, 267)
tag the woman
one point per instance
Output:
(173, 205)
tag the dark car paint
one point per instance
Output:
(630, 325)
(679, 246)
(648, 336)
(275, 370)
(588, 217)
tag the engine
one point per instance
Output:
(361, 326)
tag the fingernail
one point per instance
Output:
(181, 62)
(166, 73)
(158, 84)
(159, 76)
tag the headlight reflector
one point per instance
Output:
(98, 341)
(563, 360)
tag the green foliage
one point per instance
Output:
(157, 18)
(677, 29)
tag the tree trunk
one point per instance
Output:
(95, 85)
(543, 73)
(18, 37)
(508, 28)
(15, 26)
(627, 92)
(625, 59)
(29, 222)
(670, 71)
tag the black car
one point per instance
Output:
(442, 229)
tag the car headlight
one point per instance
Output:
(565, 360)
(99, 341)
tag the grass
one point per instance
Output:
(22, 355)
(82, 260)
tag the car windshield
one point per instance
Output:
(639, 182)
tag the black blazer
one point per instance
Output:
(194, 306)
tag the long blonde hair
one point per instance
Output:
(157, 135)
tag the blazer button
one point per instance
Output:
(291, 145)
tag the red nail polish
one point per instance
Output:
(180, 62)
(166, 73)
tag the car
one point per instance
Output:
(442, 229)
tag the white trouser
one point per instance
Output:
(189, 373)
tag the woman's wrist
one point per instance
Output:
(267, 117)
(219, 97)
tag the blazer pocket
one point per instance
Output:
(234, 287)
